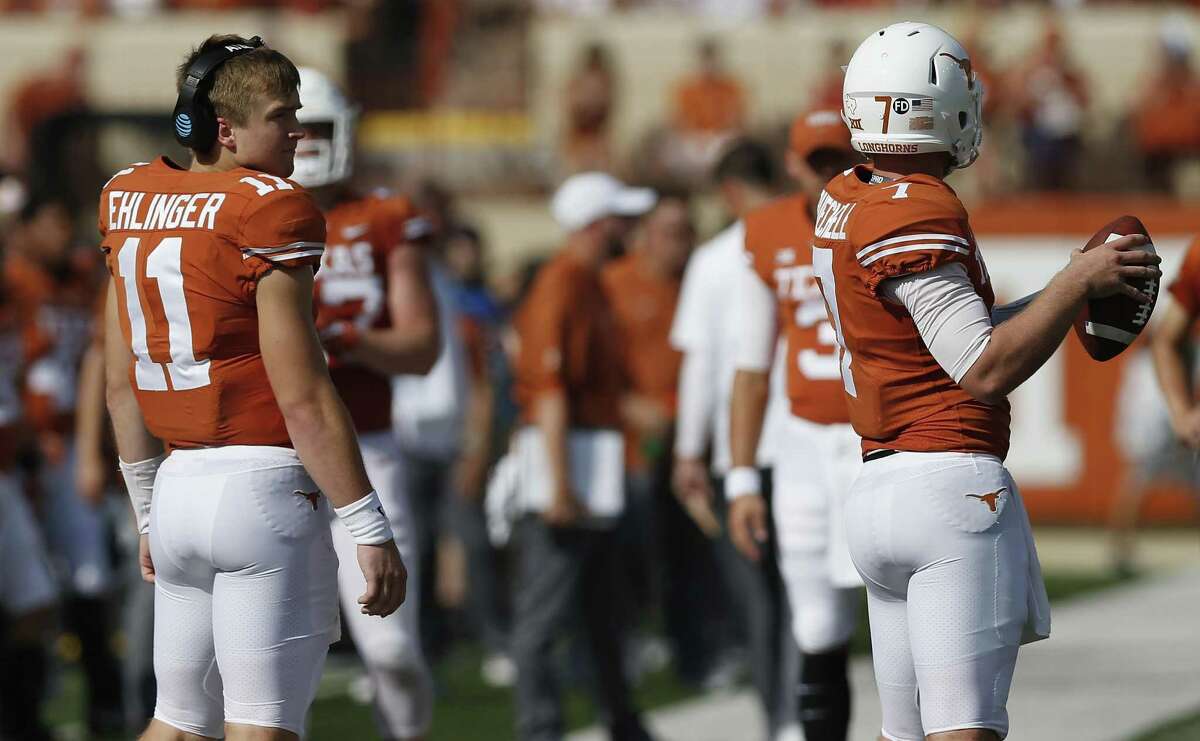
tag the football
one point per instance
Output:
(1107, 326)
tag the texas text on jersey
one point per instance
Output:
(869, 230)
(186, 250)
(785, 265)
(352, 286)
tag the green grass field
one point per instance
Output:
(469, 710)
(1186, 728)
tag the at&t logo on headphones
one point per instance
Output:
(194, 119)
(183, 125)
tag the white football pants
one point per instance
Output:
(245, 599)
(942, 541)
(390, 646)
(813, 471)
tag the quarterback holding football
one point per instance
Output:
(935, 523)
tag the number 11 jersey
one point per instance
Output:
(186, 251)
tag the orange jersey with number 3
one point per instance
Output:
(779, 246)
(186, 251)
(899, 397)
(352, 286)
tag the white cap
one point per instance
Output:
(590, 196)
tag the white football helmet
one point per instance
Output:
(322, 161)
(909, 88)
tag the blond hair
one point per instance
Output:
(233, 88)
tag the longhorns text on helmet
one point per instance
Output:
(909, 89)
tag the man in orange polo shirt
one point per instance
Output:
(643, 288)
(568, 385)
(663, 549)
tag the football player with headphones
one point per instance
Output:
(234, 443)
(377, 317)
(934, 521)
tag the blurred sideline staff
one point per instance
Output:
(707, 334)
(28, 594)
(56, 286)
(662, 548)
(818, 453)
(570, 457)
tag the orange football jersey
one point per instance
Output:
(186, 251)
(58, 309)
(352, 285)
(779, 246)
(866, 233)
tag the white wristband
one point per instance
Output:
(366, 521)
(139, 482)
(742, 481)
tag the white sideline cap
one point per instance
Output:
(590, 196)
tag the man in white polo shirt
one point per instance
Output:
(705, 332)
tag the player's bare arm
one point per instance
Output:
(748, 409)
(318, 423)
(471, 468)
(1170, 345)
(91, 470)
(141, 453)
(412, 343)
(689, 477)
(551, 419)
(755, 309)
(1022, 345)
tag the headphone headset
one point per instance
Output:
(194, 119)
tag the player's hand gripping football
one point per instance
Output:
(387, 579)
(1107, 269)
(748, 525)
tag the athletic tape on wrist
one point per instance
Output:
(365, 520)
(139, 482)
(742, 481)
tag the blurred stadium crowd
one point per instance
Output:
(456, 423)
